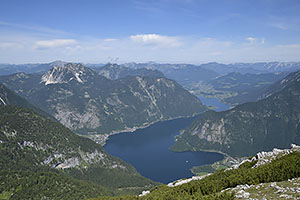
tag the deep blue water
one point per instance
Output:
(217, 103)
(148, 151)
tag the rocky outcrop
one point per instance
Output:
(184, 181)
(63, 161)
(263, 157)
(276, 190)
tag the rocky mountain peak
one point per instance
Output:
(67, 72)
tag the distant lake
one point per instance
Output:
(217, 103)
(148, 151)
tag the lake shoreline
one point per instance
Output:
(227, 160)
(148, 151)
(101, 138)
(218, 104)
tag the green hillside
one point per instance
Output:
(44, 154)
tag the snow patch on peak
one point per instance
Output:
(48, 79)
(77, 78)
(1, 100)
(64, 73)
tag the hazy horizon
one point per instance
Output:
(171, 63)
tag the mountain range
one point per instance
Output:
(250, 127)
(207, 71)
(182, 73)
(232, 83)
(253, 68)
(89, 103)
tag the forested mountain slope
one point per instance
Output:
(250, 127)
(51, 161)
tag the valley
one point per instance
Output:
(160, 129)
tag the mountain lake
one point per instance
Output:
(217, 103)
(148, 151)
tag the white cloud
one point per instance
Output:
(110, 40)
(45, 44)
(251, 39)
(155, 39)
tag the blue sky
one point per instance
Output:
(173, 31)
